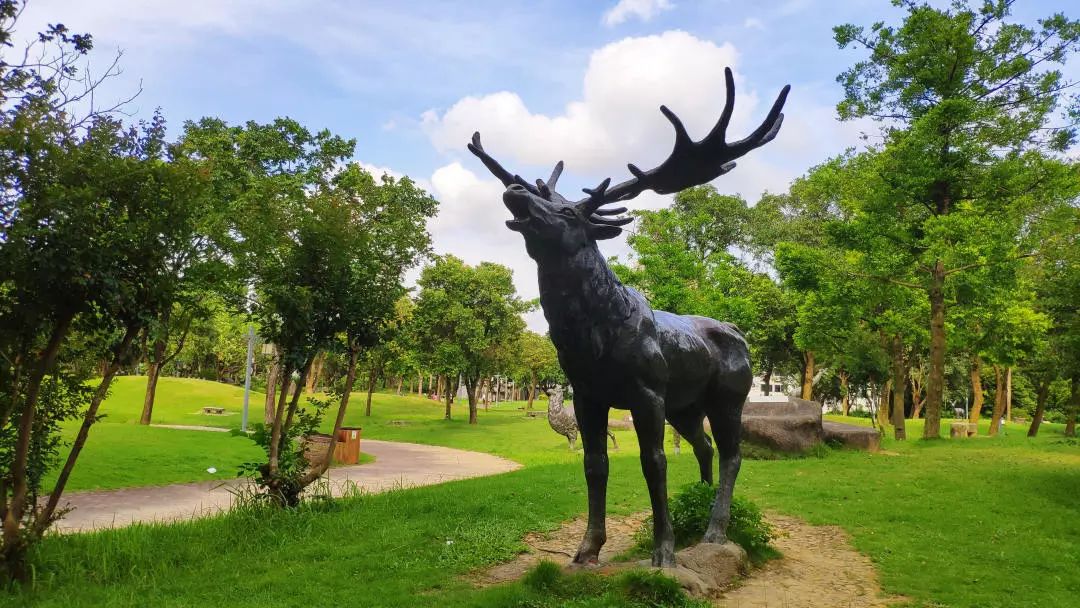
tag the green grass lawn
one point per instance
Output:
(122, 453)
(978, 522)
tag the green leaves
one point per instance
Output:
(464, 315)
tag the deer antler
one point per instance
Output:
(497, 170)
(690, 163)
(541, 188)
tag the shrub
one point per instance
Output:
(652, 588)
(545, 576)
(690, 510)
(292, 462)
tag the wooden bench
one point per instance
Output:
(213, 410)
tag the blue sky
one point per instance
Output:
(543, 81)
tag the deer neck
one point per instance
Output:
(581, 297)
(553, 407)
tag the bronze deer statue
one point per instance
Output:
(616, 350)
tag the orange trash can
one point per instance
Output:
(347, 448)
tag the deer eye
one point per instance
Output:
(567, 211)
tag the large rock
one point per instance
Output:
(789, 425)
(704, 570)
(851, 436)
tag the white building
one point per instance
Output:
(776, 390)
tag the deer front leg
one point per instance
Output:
(649, 423)
(592, 422)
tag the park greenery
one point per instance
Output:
(933, 273)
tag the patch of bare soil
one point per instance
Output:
(560, 545)
(819, 566)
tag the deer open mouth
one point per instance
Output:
(518, 204)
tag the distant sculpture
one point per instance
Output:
(616, 350)
(562, 420)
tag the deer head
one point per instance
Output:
(547, 220)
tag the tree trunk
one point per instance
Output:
(935, 386)
(419, 384)
(400, 381)
(1074, 406)
(152, 373)
(444, 380)
(440, 387)
(845, 401)
(976, 390)
(14, 546)
(350, 380)
(767, 389)
(45, 517)
(883, 404)
(1008, 393)
(271, 390)
(279, 420)
(808, 375)
(999, 401)
(316, 372)
(532, 390)
(917, 397)
(899, 387)
(156, 362)
(372, 377)
(470, 390)
(1042, 392)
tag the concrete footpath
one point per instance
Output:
(397, 465)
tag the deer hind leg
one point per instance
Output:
(689, 424)
(726, 424)
(592, 422)
(649, 424)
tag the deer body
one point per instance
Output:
(618, 352)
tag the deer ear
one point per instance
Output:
(600, 232)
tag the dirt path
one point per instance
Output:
(819, 566)
(396, 465)
(559, 546)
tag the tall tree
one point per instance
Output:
(382, 235)
(463, 315)
(88, 227)
(1055, 276)
(537, 357)
(965, 96)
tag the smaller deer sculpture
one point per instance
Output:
(561, 419)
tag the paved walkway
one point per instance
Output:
(396, 465)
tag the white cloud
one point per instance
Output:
(753, 23)
(616, 121)
(642, 9)
(471, 226)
